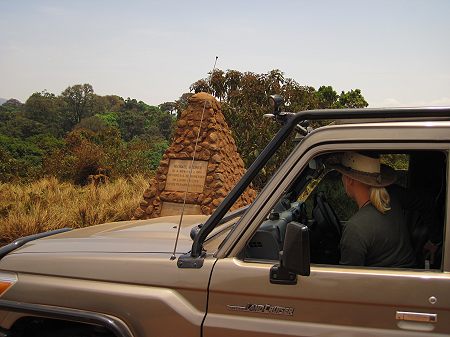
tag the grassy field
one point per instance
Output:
(48, 204)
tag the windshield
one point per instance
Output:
(289, 208)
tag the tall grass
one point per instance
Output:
(48, 204)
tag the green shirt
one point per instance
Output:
(373, 239)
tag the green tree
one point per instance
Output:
(168, 107)
(131, 124)
(181, 103)
(46, 108)
(12, 104)
(87, 152)
(8, 165)
(137, 156)
(93, 123)
(80, 103)
(47, 143)
(138, 119)
(114, 103)
(352, 99)
(23, 159)
(109, 118)
(21, 127)
(327, 97)
(244, 100)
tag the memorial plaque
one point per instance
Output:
(174, 208)
(178, 175)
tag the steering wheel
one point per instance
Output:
(325, 215)
(325, 232)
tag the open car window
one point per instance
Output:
(317, 199)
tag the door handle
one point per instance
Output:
(416, 317)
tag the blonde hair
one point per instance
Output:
(380, 199)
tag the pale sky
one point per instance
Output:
(397, 52)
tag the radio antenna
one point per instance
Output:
(173, 257)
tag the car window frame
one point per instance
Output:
(284, 178)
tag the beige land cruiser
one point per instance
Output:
(270, 269)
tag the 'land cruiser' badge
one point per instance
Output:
(263, 309)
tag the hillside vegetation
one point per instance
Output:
(78, 133)
(78, 158)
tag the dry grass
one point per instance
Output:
(49, 204)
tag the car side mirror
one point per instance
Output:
(295, 258)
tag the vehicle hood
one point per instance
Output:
(138, 236)
(121, 254)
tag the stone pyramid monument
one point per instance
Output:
(216, 167)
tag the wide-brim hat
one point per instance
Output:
(365, 169)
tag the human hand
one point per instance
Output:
(429, 250)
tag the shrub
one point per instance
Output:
(20, 159)
(48, 204)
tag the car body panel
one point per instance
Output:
(154, 235)
(130, 262)
(361, 302)
(143, 292)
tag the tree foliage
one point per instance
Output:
(244, 99)
(327, 97)
(79, 101)
(352, 99)
(78, 133)
(19, 159)
(47, 109)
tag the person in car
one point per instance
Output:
(377, 234)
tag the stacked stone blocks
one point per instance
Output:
(215, 155)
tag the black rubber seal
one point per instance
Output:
(114, 325)
(5, 250)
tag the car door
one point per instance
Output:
(332, 301)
